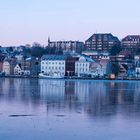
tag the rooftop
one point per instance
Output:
(54, 57)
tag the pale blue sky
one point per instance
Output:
(27, 21)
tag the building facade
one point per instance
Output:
(70, 65)
(131, 43)
(52, 65)
(101, 42)
(67, 46)
(87, 67)
(8, 66)
(18, 70)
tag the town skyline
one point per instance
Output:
(53, 40)
(31, 21)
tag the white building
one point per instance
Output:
(6, 67)
(53, 65)
(82, 66)
(18, 70)
(67, 46)
(88, 67)
(85, 66)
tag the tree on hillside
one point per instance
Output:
(37, 50)
(115, 50)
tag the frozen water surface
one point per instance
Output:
(32, 109)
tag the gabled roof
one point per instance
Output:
(19, 65)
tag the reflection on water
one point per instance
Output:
(48, 109)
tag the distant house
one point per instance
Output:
(131, 43)
(19, 57)
(122, 70)
(26, 66)
(95, 69)
(105, 67)
(87, 67)
(30, 66)
(82, 66)
(70, 65)
(18, 70)
(8, 66)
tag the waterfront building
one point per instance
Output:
(82, 66)
(30, 66)
(131, 43)
(53, 65)
(101, 42)
(105, 67)
(87, 67)
(18, 70)
(8, 66)
(70, 65)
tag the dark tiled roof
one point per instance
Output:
(54, 57)
(131, 37)
(109, 37)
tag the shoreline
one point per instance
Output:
(73, 78)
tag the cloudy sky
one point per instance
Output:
(28, 21)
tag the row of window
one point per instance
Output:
(52, 68)
(83, 64)
(81, 70)
(60, 63)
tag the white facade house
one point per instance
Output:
(17, 70)
(88, 67)
(6, 67)
(82, 66)
(52, 65)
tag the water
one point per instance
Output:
(69, 110)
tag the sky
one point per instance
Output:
(28, 21)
